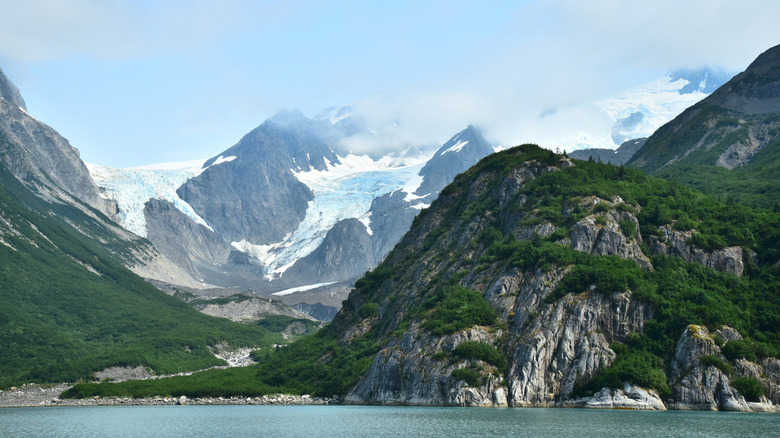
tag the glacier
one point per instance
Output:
(341, 191)
(132, 187)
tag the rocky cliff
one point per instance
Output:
(505, 293)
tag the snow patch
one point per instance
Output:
(222, 159)
(457, 147)
(411, 187)
(366, 220)
(300, 289)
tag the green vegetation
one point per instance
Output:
(481, 351)
(70, 308)
(750, 388)
(420, 282)
(455, 308)
(471, 374)
(740, 349)
(297, 326)
(636, 366)
(714, 361)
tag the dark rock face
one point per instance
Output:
(459, 153)
(317, 311)
(182, 240)
(9, 92)
(609, 156)
(728, 128)
(756, 90)
(345, 253)
(35, 151)
(256, 196)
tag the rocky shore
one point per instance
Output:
(48, 395)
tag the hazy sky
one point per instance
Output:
(138, 82)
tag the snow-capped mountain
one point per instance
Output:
(640, 111)
(282, 210)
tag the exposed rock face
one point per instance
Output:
(554, 343)
(395, 376)
(706, 387)
(38, 155)
(629, 397)
(256, 196)
(609, 156)
(249, 310)
(604, 233)
(676, 243)
(346, 252)
(567, 342)
(10, 93)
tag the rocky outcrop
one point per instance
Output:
(677, 243)
(39, 156)
(610, 232)
(409, 372)
(484, 235)
(247, 309)
(629, 397)
(703, 384)
(558, 346)
(346, 252)
(610, 156)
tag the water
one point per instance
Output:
(369, 421)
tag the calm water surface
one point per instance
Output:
(369, 421)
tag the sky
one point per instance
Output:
(131, 83)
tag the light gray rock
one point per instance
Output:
(630, 397)
(675, 243)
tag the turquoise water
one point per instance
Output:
(367, 421)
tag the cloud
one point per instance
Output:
(558, 57)
(419, 72)
(45, 30)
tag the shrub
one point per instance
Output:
(750, 388)
(481, 351)
(740, 349)
(712, 360)
(368, 310)
(627, 227)
(455, 308)
(472, 376)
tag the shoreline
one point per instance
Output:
(34, 395)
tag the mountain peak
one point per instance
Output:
(9, 92)
(770, 57)
(756, 90)
(287, 118)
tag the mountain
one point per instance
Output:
(727, 144)
(538, 280)
(630, 114)
(69, 306)
(610, 156)
(38, 155)
(282, 209)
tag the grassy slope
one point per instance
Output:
(60, 321)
